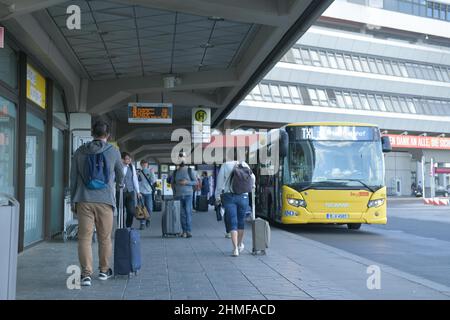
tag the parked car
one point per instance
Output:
(441, 191)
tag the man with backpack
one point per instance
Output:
(234, 183)
(92, 196)
(183, 179)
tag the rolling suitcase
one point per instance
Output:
(127, 245)
(171, 220)
(260, 232)
(157, 201)
(202, 203)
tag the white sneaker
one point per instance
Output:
(241, 247)
(235, 252)
(228, 235)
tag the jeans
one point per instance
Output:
(235, 206)
(148, 202)
(186, 213)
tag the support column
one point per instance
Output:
(21, 143)
(49, 160)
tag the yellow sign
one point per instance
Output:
(201, 116)
(35, 87)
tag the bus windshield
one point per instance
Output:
(334, 165)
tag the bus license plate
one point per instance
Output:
(337, 216)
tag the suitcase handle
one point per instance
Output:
(121, 214)
(253, 205)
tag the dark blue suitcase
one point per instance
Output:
(127, 246)
(202, 203)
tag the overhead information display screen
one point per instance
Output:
(335, 133)
(150, 113)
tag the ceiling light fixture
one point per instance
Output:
(215, 18)
(207, 45)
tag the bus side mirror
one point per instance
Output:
(386, 144)
(284, 142)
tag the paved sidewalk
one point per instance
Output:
(201, 267)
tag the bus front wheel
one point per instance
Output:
(354, 226)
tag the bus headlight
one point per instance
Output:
(375, 203)
(297, 202)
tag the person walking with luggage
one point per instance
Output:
(234, 183)
(92, 198)
(146, 180)
(205, 184)
(183, 179)
(131, 189)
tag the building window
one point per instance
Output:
(357, 63)
(396, 69)
(305, 57)
(291, 94)
(364, 101)
(323, 59)
(256, 93)
(297, 56)
(403, 105)
(340, 61)
(396, 105)
(349, 63)
(8, 157)
(315, 58)
(58, 105)
(275, 93)
(372, 102)
(323, 100)
(356, 101)
(405, 6)
(8, 66)
(265, 92)
(381, 66)
(388, 104)
(285, 94)
(331, 97)
(340, 99)
(295, 94)
(332, 59)
(365, 64)
(373, 66)
(438, 73)
(380, 102)
(348, 100)
(403, 70)
(313, 96)
(388, 67)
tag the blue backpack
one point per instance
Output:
(97, 171)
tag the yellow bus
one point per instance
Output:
(328, 173)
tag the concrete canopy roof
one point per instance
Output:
(219, 49)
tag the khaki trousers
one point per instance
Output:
(100, 215)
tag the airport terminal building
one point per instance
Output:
(371, 61)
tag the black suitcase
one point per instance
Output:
(202, 203)
(157, 201)
(157, 206)
(127, 246)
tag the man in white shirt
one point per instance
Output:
(131, 188)
(235, 204)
